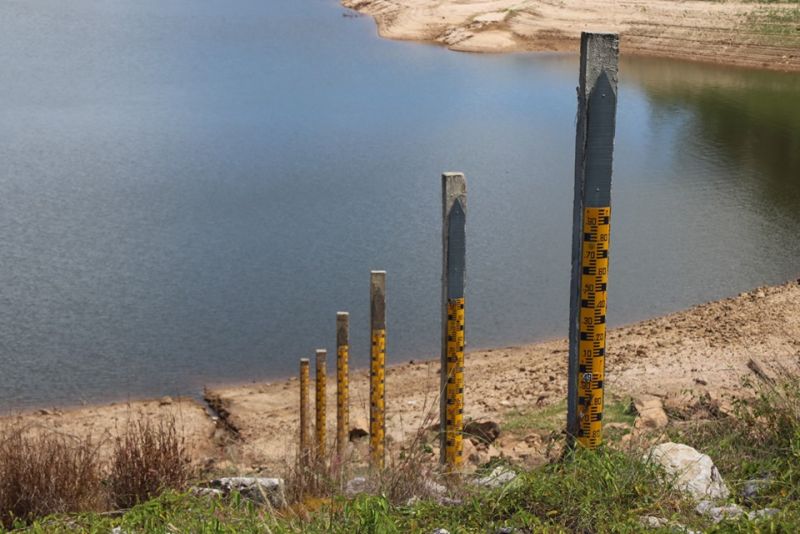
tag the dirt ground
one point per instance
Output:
(103, 423)
(703, 351)
(765, 35)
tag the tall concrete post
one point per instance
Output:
(451, 416)
(377, 391)
(305, 433)
(321, 401)
(594, 148)
(342, 381)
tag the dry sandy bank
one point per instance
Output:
(765, 35)
(705, 349)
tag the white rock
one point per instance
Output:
(434, 488)
(206, 492)
(752, 488)
(718, 513)
(694, 472)
(257, 489)
(651, 521)
(355, 486)
(499, 477)
(760, 514)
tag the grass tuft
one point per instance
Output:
(46, 473)
(147, 459)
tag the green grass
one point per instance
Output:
(779, 26)
(591, 491)
(603, 491)
(551, 418)
(760, 441)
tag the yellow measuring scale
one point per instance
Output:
(592, 345)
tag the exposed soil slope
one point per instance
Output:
(705, 350)
(737, 33)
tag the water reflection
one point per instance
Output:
(751, 117)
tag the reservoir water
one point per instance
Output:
(190, 191)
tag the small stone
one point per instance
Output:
(441, 531)
(500, 476)
(485, 431)
(434, 488)
(355, 486)
(761, 514)
(650, 521)
(751, 488)
(718, 513)
(165, 401)
(651, 413)
(256, 489)
(206, 492)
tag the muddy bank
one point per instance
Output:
(763, 35)
(705, 350)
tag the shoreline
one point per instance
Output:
(705, 349)
(755, 35)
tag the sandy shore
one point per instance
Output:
(765, 35)
(704, 350)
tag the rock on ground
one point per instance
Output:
(694, 472)
(719, 513)
(482, 431)
(257, 489)
(499, 477)
(355, 486)
(651, 413)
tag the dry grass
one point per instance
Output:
(147, 459)
(411, 471)
(43, 472)
(46, 473)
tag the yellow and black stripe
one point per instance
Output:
(321, 402)
(592, 326)
(454, 411)
(304, 419)
(377, 423)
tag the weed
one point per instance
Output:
(147, 458)
(45, 473)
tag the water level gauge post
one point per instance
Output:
(594, 148)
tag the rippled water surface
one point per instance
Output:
(190, 191)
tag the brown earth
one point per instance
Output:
(753, 34)
(103, 423)
(704, 351)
